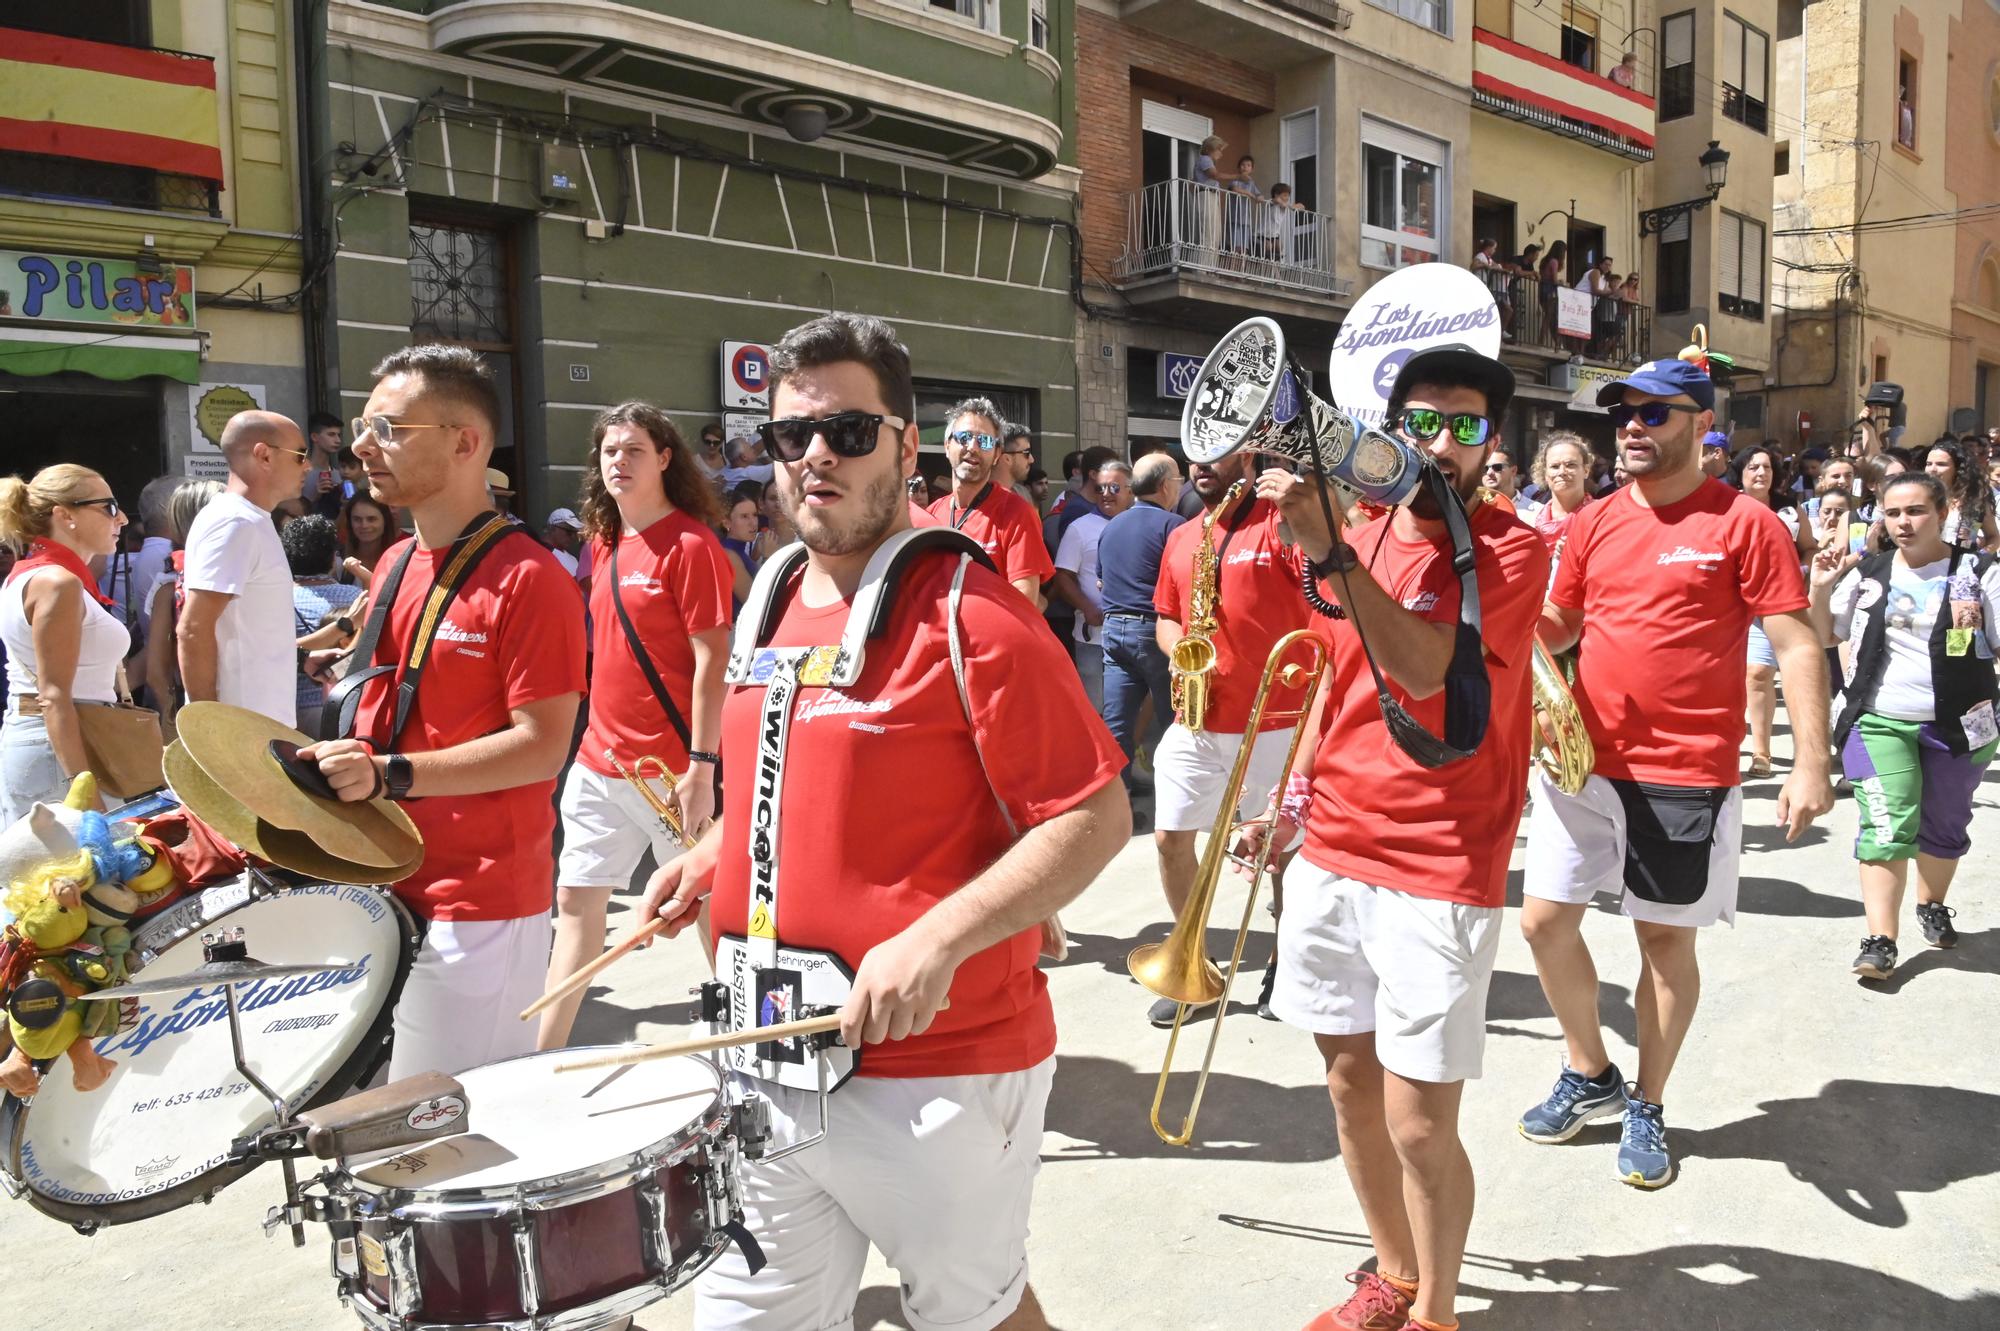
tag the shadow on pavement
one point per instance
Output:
(1518, 997)
(1977, 953)
(1764, 836)
(1103, 1105)
(1863, 1144)
(878, 1308)
(1110, 950)
(1782, 897)
(1686, 1286)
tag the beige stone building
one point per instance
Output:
(1870, 137)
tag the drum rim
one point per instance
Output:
(419, 1205)
(371, 1053)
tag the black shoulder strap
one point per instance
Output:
(343, 702)
(639, 654)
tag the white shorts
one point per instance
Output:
(607, 826)
(937, 1172)
(1190, 769)
(461, 1006)
(1580, 845)
(1354, 958)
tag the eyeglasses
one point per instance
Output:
(1652, 415)
(1425, 424)
(1109, 488)
(1019, 452)
(110, 506)
(850, 434)
(387, 431)
(297, 453)
(1496, 466)
(985, 443)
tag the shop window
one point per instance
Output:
(1677, 66)
(1746, 73)
(935, 400)
(1740, 266)
(458, 283)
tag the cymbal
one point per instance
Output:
(288, 850)
(232, 745)
(213, 972)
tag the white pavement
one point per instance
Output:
(1840, 1147)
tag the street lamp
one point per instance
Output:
(1715, 174)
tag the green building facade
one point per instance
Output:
(600, 197)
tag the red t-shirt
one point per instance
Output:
(512, 636)
(1667, 596)
(1552, 526)
(921, 516)
(1007, 527)
(676, 582)
(1376, 815)
(885, 808)
(1257, 602)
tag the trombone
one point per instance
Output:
(1178, 967)
(648, 767)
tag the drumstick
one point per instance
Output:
(643, 934)
(784, 1030)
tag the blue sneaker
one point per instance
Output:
(1643, 1161)
(1575, 1101)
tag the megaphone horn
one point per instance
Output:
(1248, 378)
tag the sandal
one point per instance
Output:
(1760, 766)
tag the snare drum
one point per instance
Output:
(157, 1135)
(576, 1198)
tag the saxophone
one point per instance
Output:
(1193, 657)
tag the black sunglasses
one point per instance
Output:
(110, 506)
(1425, 424)
(850, 434)
(1652, 415)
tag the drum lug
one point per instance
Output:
(405, 1289)
(526, 1257)
(13, 1187)
(654, 1243)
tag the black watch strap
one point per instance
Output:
(397, 776)
(1342, 558)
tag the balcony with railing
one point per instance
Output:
(1271, 33)
(1537, 88)
(1231, 244)
(1616, 332)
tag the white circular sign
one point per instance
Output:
(1411, 310)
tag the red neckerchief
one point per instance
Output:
(44, 553)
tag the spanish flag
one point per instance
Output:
(131, 106)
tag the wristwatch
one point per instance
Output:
(703, 756)
(345, 625)
(1340, 559)
(397, 776)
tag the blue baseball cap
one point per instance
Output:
(1663, 378)
(1715, 439)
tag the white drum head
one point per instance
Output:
(149, 1139)
(529, 1123)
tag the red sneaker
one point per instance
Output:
(1376, 1305)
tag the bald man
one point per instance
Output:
(236, 633)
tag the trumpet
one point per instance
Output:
(647, 767)
(1178, 967)
(1568, 763)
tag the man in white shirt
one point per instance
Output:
(1076, 574)
(128, 574)
(562, 536)
(235, 634)
(746, 462)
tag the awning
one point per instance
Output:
(31, 350)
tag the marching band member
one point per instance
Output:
(1657, 585)
(471, 716)
(899, 826)
(984, 508)
(1252, 597)
(1392, 909)
(659, 623)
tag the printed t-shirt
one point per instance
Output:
(512, 636)
(1376, 815)
(885, 810)
(233, 548)
(1916, 597)
(1257, 602)
(1667, 596)
(675, 582)
(1005, 525)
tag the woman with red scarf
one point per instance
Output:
(63, 645)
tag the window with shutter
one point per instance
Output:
(1728, 256)
(1677, 66)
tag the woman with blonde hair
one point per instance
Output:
(1563, 468)
(64, 646)
(1209, 209)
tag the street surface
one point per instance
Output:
(1840, 1146)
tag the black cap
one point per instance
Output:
(1456, 363)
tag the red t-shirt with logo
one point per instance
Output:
(1667, 596)
(1257, 601)
(1376, 815)
(675, 581)
(1006, 526)
(512, 636)
(886, 810)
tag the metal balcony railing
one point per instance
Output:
(1180, 226)
(1621, 331)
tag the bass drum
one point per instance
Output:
(157, 1135)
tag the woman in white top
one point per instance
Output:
(1757, 470)
(63, 645)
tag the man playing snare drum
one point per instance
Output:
(896, 825)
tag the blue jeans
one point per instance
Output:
(1134, 666)
(29, 772)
